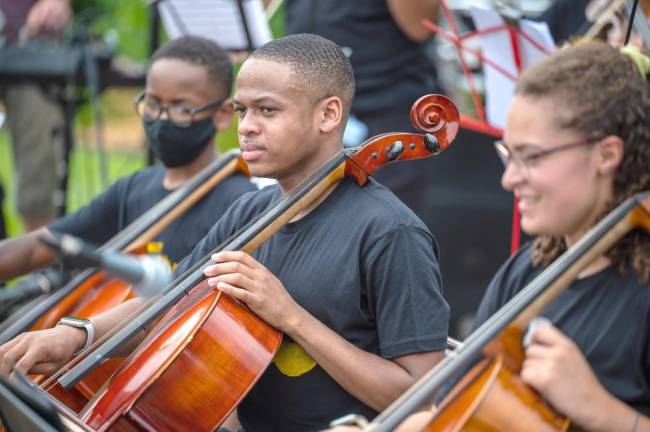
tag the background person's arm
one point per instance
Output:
(408, 15)
(24, 254)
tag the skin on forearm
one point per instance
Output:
(612, 415)
(408, 15)
(373, 380)
(21, 255)
(106, 321)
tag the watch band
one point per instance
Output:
(82, 323)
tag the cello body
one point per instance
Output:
(487, 398)
(99, 292)
(219, 350)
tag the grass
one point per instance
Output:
(84, 182)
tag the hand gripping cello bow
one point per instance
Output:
(492, 396)
(207, 350)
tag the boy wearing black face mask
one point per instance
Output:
(185, 102)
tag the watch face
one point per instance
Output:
(74, 321)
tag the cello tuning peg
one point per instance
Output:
(432, 143)
(395, 150)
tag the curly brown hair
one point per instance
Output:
(603, 94)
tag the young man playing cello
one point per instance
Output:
(185, 102)
(352, 281)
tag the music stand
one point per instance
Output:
(22, 408)
(236, 25)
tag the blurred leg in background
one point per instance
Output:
(35, 121)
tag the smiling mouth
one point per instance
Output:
(524, 203)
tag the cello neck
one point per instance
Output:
(247, 239)
(154, 220)
(138, 233)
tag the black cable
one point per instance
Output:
(630, 23)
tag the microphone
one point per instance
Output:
(35, 284)
(148, 274)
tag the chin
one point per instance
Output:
(537, 229)
(532, 228)
(260, 171)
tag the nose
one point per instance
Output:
(164, 113)
(512, 176)
(247, 125)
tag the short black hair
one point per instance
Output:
(317, 61)
(203, 52)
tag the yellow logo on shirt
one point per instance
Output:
(292, 360)
(156, 248)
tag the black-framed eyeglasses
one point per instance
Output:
(182, 116)
(524, 161)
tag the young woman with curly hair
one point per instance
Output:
(577, 144)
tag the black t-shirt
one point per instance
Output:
(389, 68)
(566, 18)
(366, 267)
(606, 314)
(130, 197)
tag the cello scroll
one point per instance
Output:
(434, 115)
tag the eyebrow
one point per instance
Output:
(523, 146)
(258, 101)
(175, 101)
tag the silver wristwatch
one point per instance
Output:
(82, 323)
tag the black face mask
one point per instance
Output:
(176, 146)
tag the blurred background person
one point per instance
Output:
(34, 116)
(385, 42)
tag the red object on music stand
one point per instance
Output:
(481, 124)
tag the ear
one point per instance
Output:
(222, 117)
(330, 114)
(609, 153)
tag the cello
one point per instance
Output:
(208, 350)
(93, 292)
(492, 396)
(82, 294)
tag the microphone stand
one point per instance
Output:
(34, 285)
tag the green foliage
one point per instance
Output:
(124, 22)
(84, 182)
(6, 173)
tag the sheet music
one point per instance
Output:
(497, 47)
(540, 33)
(219, 20)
